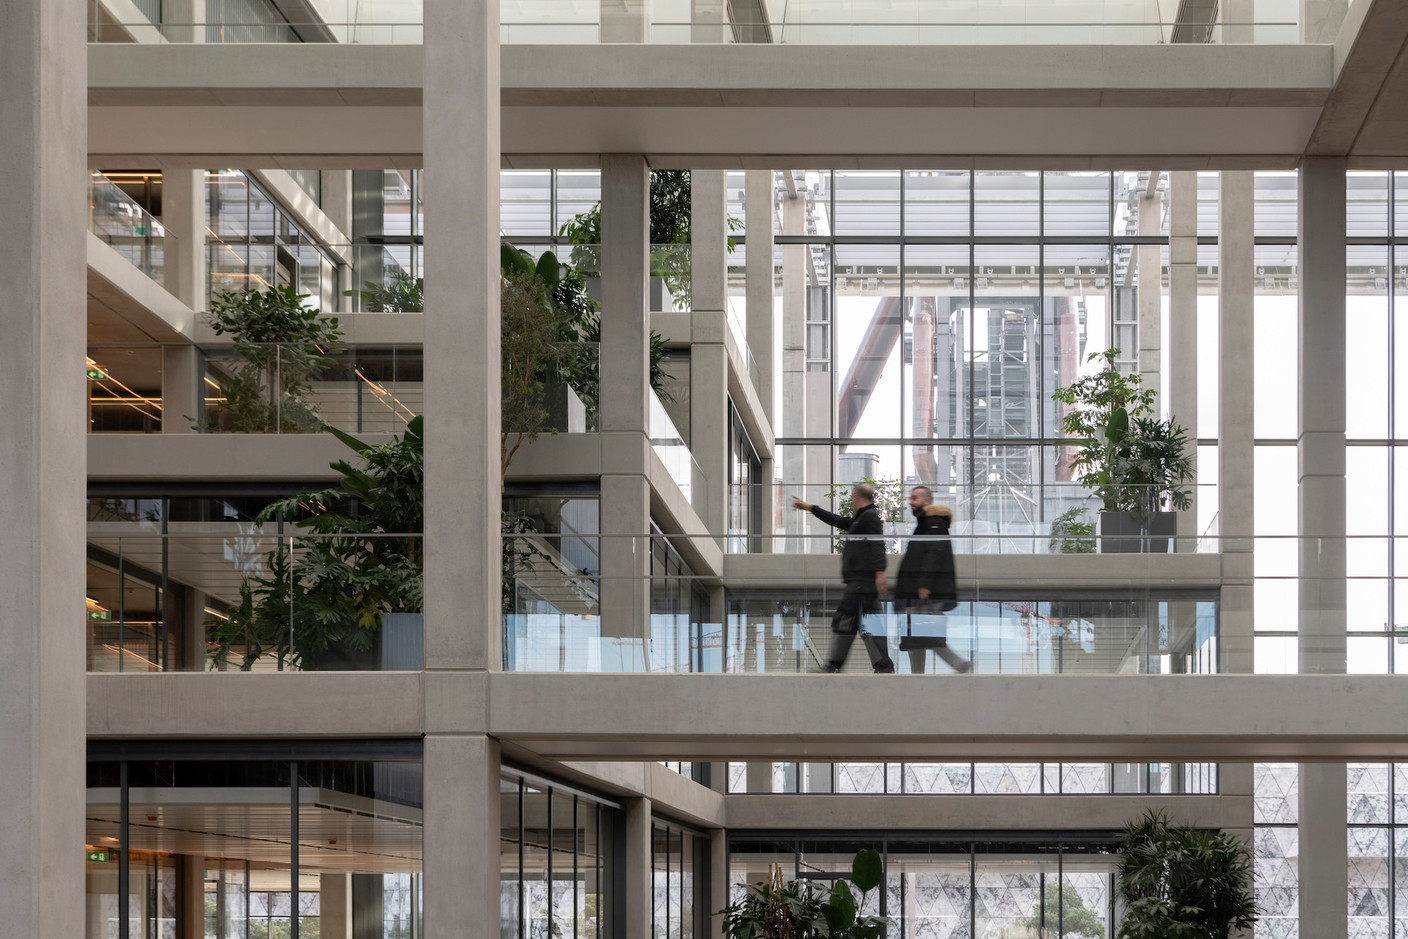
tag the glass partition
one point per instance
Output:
(126, 227)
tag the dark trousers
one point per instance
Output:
(849, 619)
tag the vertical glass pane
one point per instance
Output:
(935, 365)
(1367, 346)
(1141, 203)
(1274, 342)
(1276, 885)
(930, 895)
(1367, 209)
(1366, 501)
(509, 880)
(577, 192)
(535, 862)
(1086, 888)
(1077, 204)
(1276, 203)
(1005, 337)
(1006, 203)
(1368, 881)
(525, 203)
(564, 852)
(869, 324)
(867, 202)
(1367, 789)
(936, 203)
(1011, 892)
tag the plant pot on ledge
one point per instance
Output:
(1128, 533)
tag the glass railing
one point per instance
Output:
(1049, 779)
(248, 598)
(168, 595)
(670, 287)
(567, 610)
(886, 22)
(256, 388)
(346, 21)
(126, 227)
(993, 518)
(287, 388)
(669, 446)
(818, 22)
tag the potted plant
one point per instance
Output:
(772, 909)
(1183, 883)
(349, 598)
(1137, 464)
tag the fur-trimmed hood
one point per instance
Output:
(943, 510)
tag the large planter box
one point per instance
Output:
(397, 646)
(1126, 533)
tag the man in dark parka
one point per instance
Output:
(927, 586)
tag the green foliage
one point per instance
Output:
(771, 909)
(280, 348)
(1134, 462)
(1183, 882)
(671, 218)
(330, 592)
(1063, 910)
(401, 294)
(889, 502)
(1071, 533)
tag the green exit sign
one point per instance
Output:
(102, 615)
(97, 374)
(100, 857)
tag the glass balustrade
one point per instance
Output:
(998, 517)
(126, 227)
(814, 22)
(172, 595)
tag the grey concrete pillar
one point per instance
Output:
(793, 419)
(191, 870)
(718, 878)
(639, 914)
(757, 777)
(1236, 267)
(708, 22)
(462, 827)
(1320, 20)
(1149, 262)
(183, 217)
(463, 489)
(1182, 397)
(758, 267)
(1321, 450)
(336, 201)
(43, 458)
(180, 388)
(335, 906)
(625, 402)
(625, 20)
(625, 273)
(708, 368)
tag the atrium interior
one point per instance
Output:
(454, 370)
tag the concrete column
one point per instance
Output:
(337, 205)
(708, 21)
(1321, 450)
(625, 274)
(180, 388)
(639, 914)
(708, 369)
(1236, 267)
(1182, 399)
(1149, 262)
(335, 906)
(759, 212)
(718, 878)
(625, 20)
(43, 460)
(1320, 20)
(462, 827)
(793, 419)
(625, 571)
(463, 489)
(191, 869)
(183, 217)
(757, 777)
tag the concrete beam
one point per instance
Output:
(1367, 50)
(1134, 718)
(295, 459)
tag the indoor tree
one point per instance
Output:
(772, 909)
(1183, 883)
(280, 346)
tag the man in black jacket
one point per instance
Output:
(926, 586)
(863, 570)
